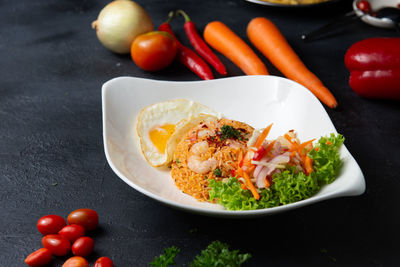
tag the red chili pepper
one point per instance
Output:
(260, 153)
(186, 56)
(200, 46)
(374, 66)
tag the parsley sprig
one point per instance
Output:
(167, 258)
(216, 254)
(228, 132)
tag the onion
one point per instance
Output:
(119, 23)
(267, 170)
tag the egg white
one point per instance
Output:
(180, 112)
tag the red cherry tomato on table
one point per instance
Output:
(87, 218)
(364, 6)
(40, 257)
(72, 232)
(104, 262)
(50, 224)
(76, 261)
(57, 244)
(83, 246)
(154, 50)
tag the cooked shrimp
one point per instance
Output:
(199, 148)
(205, 132)
(195, 163)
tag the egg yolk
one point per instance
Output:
(159, 136)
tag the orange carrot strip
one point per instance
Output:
(267, 38)
(269, 147)
(287, 137)
(240, 159)
(251, 186)
(267, 184)
(263, 135)
(225, 41)
(308, 164)
(301, 146)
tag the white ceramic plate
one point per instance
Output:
(376, 5)
(273, 3)
(256, 100)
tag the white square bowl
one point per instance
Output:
(256, 100)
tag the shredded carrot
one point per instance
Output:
(251, 186)
(269, 147)
(299, 147)
(263, 135)
(289, 138)
(240, 158)
(328, 143)
(267, 183)
(243, 187)
(308, 164)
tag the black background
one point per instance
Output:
(52, 160)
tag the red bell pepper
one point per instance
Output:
(374, 66)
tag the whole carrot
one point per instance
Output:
(267, 38)
(225, 41)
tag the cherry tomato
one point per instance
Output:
(50, 224)
(39, 257)
(72, 232)
(364, 6)
(104, 262)
(154, 50)
(57, 244)
(87, 218)
(83, 246)
(76, 261)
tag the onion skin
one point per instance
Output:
(119, 23)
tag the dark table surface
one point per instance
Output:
(52, 159)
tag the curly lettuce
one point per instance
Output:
(288, 186)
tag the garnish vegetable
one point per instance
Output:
(119, 23)
(70, 238)
(104, 262)
(50, 224)
(287, 185)
(200, 46)
(154, 51)
(76, 261)
(167, 258)
(225, 41)
(374, 66)
(216, 254)
(40, 257)
(228, 131)
(267, 38)
(186, 56)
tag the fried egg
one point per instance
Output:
(161, 126)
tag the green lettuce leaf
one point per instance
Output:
(288, 186)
